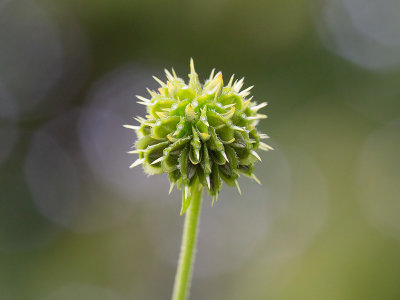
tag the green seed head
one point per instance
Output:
(199, 132)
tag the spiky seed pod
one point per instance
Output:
(194, 131)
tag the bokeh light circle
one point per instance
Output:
(306, 213)
(365, 32)
(30, 52)
(378, 20)
(22, 228)
(112, 103)
(378, 177)
(53, 179)
(63, 188)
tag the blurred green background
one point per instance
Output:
(77, 223)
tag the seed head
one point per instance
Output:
(194, 131)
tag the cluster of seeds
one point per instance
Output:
(196, 132)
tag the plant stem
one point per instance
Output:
(189, 237)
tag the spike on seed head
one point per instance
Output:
(169, 75)
(192, 69)
(159, 81)
(199, 133)
(238, 187)
(171, 187)
(173, 72)
(230, 81)
(137, 162)
(255, 178)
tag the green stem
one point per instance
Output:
(189, 237)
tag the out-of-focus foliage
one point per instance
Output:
(77, 223)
